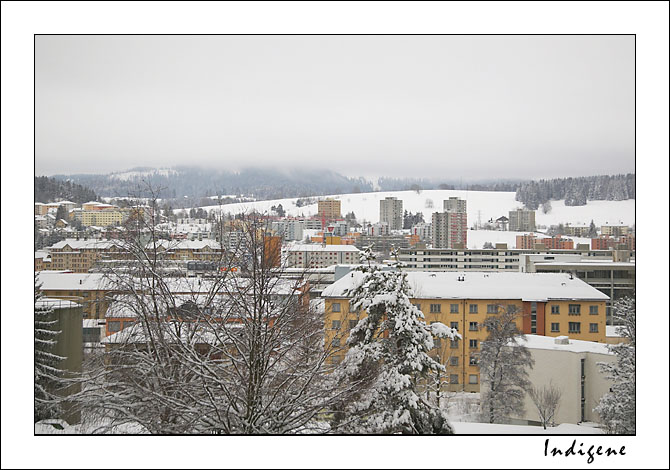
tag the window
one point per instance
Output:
(336, 307)
(435, 308)
(574, 309)
(555, 309)
(453, 308)
(453, 378)
(472, 379)
(473, 308)
(454, 343)
(593, 310)
(555, 328)
(113, 326)
(473, 344)
(336, 324)
(491, 308)
(474, 360)
(437, 343)
(418, 306)
(352, 324)
(453, 361)
(352, 309)
(335, 342)
(593, 328)
(574, 327)
(454, 325)
(473, 326)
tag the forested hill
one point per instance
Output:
(52, 190)
(178, 182)
(576, 191)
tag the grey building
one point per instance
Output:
(390, 211)
(522, 220)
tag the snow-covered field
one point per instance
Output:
(482, 205)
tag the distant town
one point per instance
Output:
(564, 281)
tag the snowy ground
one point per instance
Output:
(481, 205)
(486, 428)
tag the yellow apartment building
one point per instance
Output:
(91, 291)
(548, 304)
(101, 218)
(330, 209)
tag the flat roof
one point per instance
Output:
(539, 287)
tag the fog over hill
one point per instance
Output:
(262, 183)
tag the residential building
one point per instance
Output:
(548, 304)
(330, 209)
(500, 258)
(454, 204)
(614, 230)
(90, 291)
(99, 217)
(383, 243)
(577, 230)
(557, 243)
(423, 231)
(289, 229)
(450, 229)
(390, 211)
(319, 256)
(612, 277)
(42, 261)
(522, 220)
(571, 366)
(378, 230)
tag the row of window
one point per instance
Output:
(574, 327)
(573, 309)
(472, 379)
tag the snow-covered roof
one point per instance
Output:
(82, 244)
(186, 244)
(320, 248)
(47, 302)
(58, 280)
(539, 287)
(574, 345)
(42, 254)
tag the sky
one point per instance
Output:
(470, 107)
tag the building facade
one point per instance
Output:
(548, 305)
(320, 256)
(450, 229)
(390, 211)
(522, 220)
(330, 209)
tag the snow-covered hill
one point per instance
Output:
(482, 205)
(136, 174)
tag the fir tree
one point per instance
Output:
(617, 408)
(390, 348)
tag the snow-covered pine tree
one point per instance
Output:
(390, 346)
(503, 365)
(593, 231)
(617, 408)
(48, 376)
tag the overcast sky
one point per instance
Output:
(429, 106)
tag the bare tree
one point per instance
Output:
(546, 400)
(503, 364)
(237, 351)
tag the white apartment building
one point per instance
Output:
(571, 366)
(321, 256)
